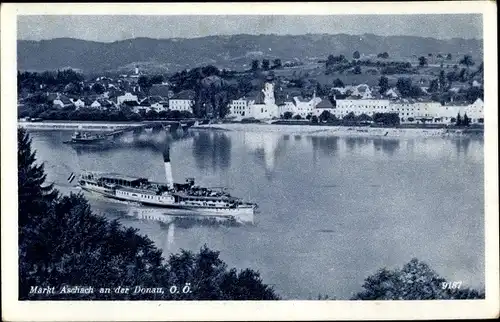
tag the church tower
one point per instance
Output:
(268, 94)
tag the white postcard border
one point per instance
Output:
(14, 310)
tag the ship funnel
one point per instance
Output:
(168, 168)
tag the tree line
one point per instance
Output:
(266, 64)
(52, 80)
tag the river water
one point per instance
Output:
(332, 210)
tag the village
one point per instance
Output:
(268, 96)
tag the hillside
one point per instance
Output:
(224, 51)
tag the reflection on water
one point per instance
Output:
(328, 145)
(462, 145)
(267, 149)
(332, 209)
(388, 146)
(212, 150)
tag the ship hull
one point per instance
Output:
(241, 214)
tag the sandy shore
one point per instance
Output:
(333, 130)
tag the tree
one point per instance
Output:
(35, 196)
(473, 93)
(422, 61)
(330, 61)
(384, 55)
(287, 115)
(390, 119)
(98, 88)
(144, 82)
(314, 119)
(244, 86)
(277, 63)
(320, 90)
(448, 57)
(415, 281)
(325, 116)
(434, 86)
(467, 61)
(356, 55)
(297, 117)
(338, 83)
(459, 120)
(265, 64)
(442, 80)
(404, 86)
(255, 64)
(451, 77)
(364, 118)
(156, 79)
(350, 117)
(466, 120)
(383, 83)
(357, 70)
(308, 116)
(463, 75)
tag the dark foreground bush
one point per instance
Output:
(415, 281)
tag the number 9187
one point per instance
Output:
(451, 285)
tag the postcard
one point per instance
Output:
(249, 161)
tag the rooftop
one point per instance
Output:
(184, 95)
(118, 176)
(325, 103)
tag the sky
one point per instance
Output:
(109, 28)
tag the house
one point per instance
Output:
(264, 105)
(62, 101)
(357, 106)
(363, 91)
(286, 106)
(158, 107)
(239, 107)
(304, 106)
(256, 104)
(126, 97)
(183, 101)
(139, 109)
(96, 104)
(393, 93)
(79, 103)
(324, 105)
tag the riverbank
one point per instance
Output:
(74, 126)
(342, 130)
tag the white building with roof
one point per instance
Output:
(409, 111)
(304, 107)
(127, 97)
(259, 105)
(360, 106)
(78, 103)
(183, 101)
(239, 108)
(264, 106)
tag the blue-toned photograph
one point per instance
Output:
(251, 157)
